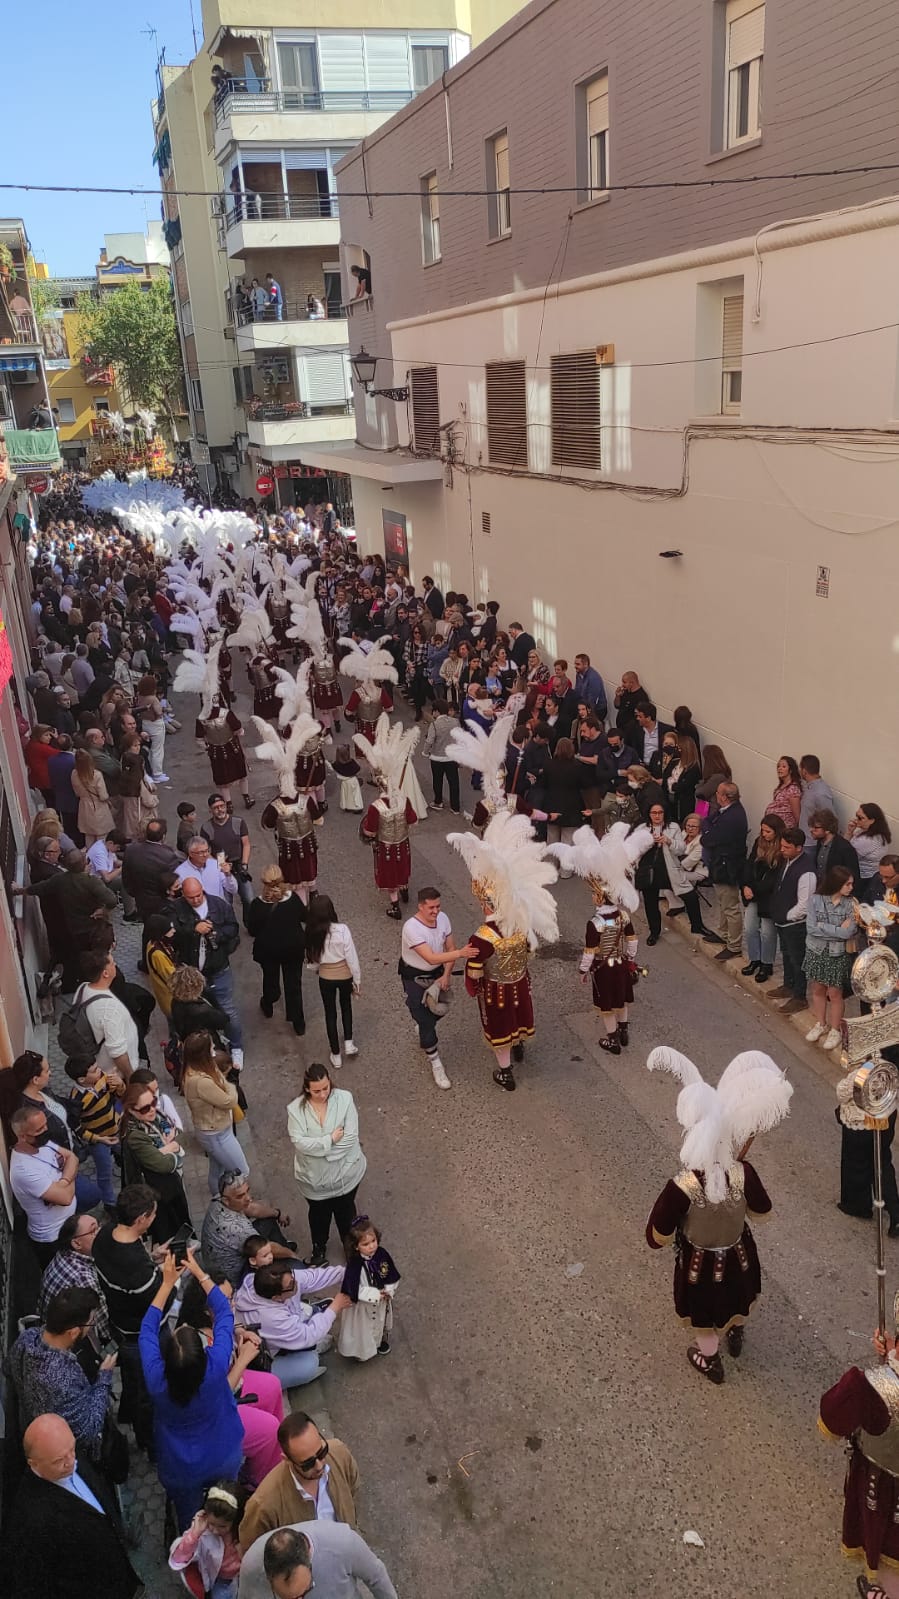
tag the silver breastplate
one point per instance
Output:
(710, 1226)
(882, 1449)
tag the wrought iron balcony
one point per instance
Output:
(256, 95)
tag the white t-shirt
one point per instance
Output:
(113, 1027)
(416, 932)
(101, 857)
(30, 1176)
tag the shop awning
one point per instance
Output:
(31, 447)
(18, 363)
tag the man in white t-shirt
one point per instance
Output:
(428, 955)
(111, 1023)
(42, 1177)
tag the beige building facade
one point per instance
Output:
(658, 425)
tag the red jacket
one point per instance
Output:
(37, 758)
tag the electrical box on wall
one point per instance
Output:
(605, 355)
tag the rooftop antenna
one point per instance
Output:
(193, 27)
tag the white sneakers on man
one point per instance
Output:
(438, 1073)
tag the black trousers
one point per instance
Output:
(651, 907)
(331, 991)
(420, 690)
(693, 909)
(321, 1212)
(857, 1170)
(450, 771)
(286, 969)
(135, 1406)
(791, 937)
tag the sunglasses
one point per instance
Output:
(141, 1110)
(308, 1465)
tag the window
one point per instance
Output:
(430, 219)
(247, 382)
(429, 62)
(507, 413)
(744, 49)
(66, 409)
(574, 391)
(298, 66)
(425, 410)
(731, 354)
(196, 394)
(187, 317)
(238, 390)
(499, 197)
(101, 407)
(596, 119)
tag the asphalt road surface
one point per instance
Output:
(536, 1427)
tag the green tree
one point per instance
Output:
(134, 330)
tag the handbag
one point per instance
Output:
(115, 1458)
(437, 999)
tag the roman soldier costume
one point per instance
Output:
(292, 815)
(217, 727)
(309, 632)
(255, 635)
(609, 957)
(373, 673)
(703, 1210)
(510, 877)
(294, 697)
(484, 753)
(864, 1407)
(388, 819)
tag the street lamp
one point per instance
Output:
(363, 366)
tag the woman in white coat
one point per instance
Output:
(689, 871)
(329, 1163)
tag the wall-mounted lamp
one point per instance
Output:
(671, 555)
(364, 366)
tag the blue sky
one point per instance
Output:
(85, 119)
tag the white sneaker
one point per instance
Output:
(160, 777)
(814, 1033)
(832, 1039)
(350, 1047)
(335, 1061)
(438, 1073)
(237, 1059)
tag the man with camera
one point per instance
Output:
(227, 835)
(206, 936)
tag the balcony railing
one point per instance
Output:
(23, 329)
(248, 206)
(291, 311)
(257, 95)
(289, 410)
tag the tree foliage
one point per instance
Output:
(134, 330)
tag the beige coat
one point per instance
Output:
(211, 1101)
(95, 818)
(278, 1502)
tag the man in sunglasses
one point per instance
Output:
(316, 1481)
(320, 1557)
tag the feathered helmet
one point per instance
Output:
(510, 876)
(199, 674)
(284, 753)
(293, 692)
(375, 667)
(255, 628)
(752, 1096)
(606, 863)
(485, 753)
(392, 748)
(306, 619)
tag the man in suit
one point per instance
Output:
(324, 1555)
(143, 865)
(649, 733)
(63, 1533)
(206, 936)
(724, 840)
(830, 848)
(522, 644)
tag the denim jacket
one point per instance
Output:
(824, 935)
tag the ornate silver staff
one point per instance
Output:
(875, 1084)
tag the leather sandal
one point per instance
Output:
(710, 1366)
(504, 1078)
(735, 1336)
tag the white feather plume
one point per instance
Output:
(375, 667)
(517, 874)
(284, 753)
(308, 628)
(609, 859)
(484, 752)
(388, 753)
(752, 1096)
(255, 629)
(293, 692)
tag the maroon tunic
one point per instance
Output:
(368, 729)
(392, 862)
(310, 771)
(297, 857)
(327, 696)
(506, 1008)
(227, 761)
(870, 1493)
(265, 701)
(710, 1304)
(612, 974)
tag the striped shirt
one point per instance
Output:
(97, 1112)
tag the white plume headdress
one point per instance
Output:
(752, 1096)
(388, 754)
(255, 628)
(199, 674)
(485, 753)
(607, 863)
(510, 869)
(283, 753)
(307, 625)
(375, 667)
(293, 692)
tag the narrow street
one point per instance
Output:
(536, 1426)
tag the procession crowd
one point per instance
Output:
(192, 1330)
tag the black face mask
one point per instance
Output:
(42, 1139)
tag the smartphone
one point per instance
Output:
(182, 1240)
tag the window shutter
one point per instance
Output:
(306, 160)
(425, 409)
(732, 333)
(342, 61)
(575, 391)
(501, 152)
(326, 379)
(387, 61)
(745, 36)
(507, 413)
(598, 106)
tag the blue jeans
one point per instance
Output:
(424, 1019)
(295, 1367)
(221, 987)
(87, 1192)
(761, 935)
(225, 1154)
(104, 1166)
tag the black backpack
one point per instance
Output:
(75, 1035)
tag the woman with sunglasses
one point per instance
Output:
(152, 1154)
(870, 834)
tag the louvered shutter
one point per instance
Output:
(342, 58)
(306, 160)
(732, 333)
(575, 389)
(387, 62)
(507, 413)
(745, 36)
(425, 409)
(597, 106)
(326, 378)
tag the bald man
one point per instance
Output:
(63, 1533)
(206, 936)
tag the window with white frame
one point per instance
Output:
(187, 317)
(429, 62)
(744, 53)
(430, 219)
(298, 68)
(500, 194)
(196, 394)
(596, 127)
(66, 408)
(731, 354)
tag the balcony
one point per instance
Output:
(297, 329)
(282, 428)
(33, 449)
(277, 221)
(251, 109)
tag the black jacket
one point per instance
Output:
(841, 853)
(564, 782)
(142, 867)
(56, 1544)
(199, 1016)
(220, 943)
(724, 842)
(521, 649)
(277, 930)
(762, 878)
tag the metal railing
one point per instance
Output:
(248, 206)
(22, 329)
(291, 410)
(291, 311)
(256, 95)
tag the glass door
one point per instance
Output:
(298, 66)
